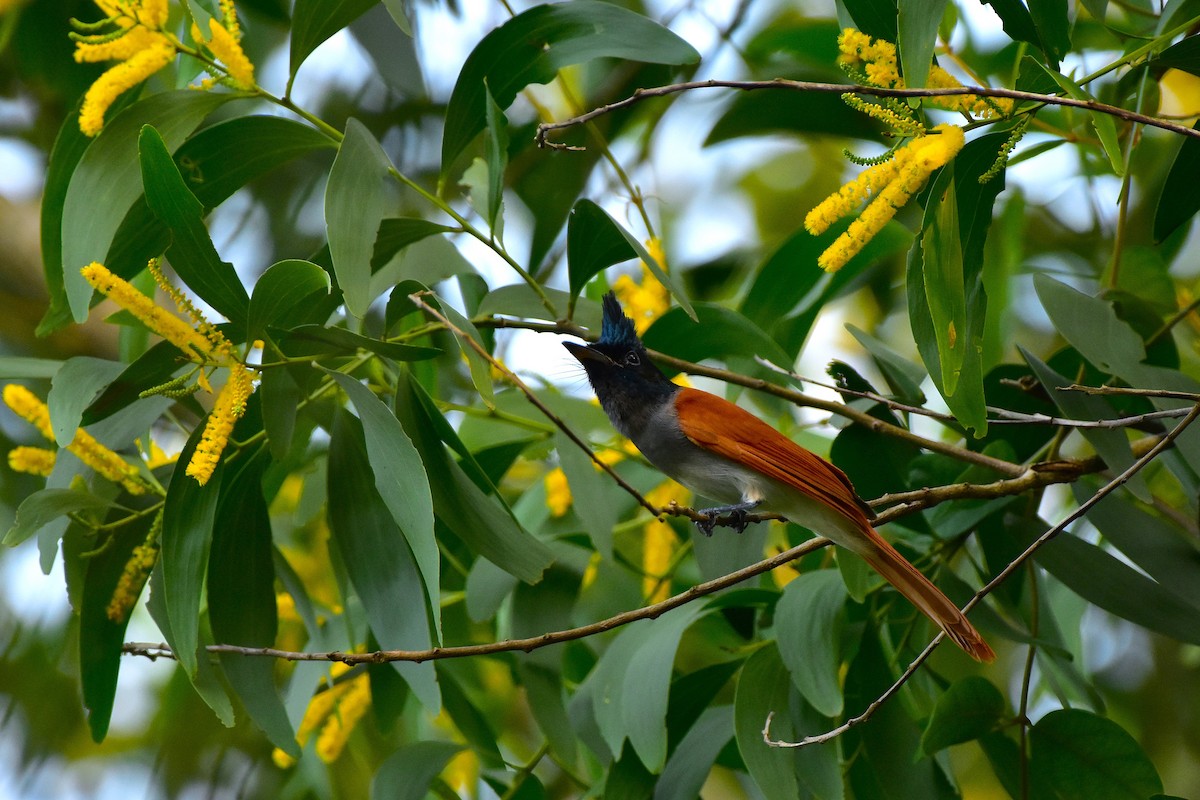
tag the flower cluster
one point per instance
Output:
(335, 710)
(558, 491)
(201, 342)
(136, 572)
(891, 183)
(133, 33)
(647, 300)
(659, 543)
(35, 460)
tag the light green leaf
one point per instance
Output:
(497, 161)
(409, 773)
(762, 688)
(1105, 124)
(1091, 326)
(356, 199)
(808, 627)
(74, 387)
(944, 290)
(481, 370)
(21, 367)
(917, 27)
(44, 506)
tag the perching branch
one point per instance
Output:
(1013, 566)
(842, 88)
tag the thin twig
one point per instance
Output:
(842, 88)
(1172, 394)
(1014, 565)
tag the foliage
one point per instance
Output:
(514, 601)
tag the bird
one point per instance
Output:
(723, 452)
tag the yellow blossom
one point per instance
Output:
(230, 405)
(320, 708)
(157, 457)
(194, 344)
(352, 705)
(224, 46)
(123, 47)
(31, 460)
(843, 202)
(119, 79)
(26, 405)
(133, 578)
(658, 544)
(219, 346)
(647, 300)
(558, 492)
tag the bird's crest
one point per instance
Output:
(617, 328)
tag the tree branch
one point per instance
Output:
(841, 88)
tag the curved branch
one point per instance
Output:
(842, 88)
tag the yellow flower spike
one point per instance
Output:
(32, 460)
(125, 46)
(558, 492)
(219, 346)
(119, 79)
(230, 405)
(225, 48)
(351, 706)
(26, 405)
(133, 578)
(159, 321)
(845, 200)
(658, 544)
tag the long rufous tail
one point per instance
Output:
(909, 581)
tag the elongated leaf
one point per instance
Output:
(663, 277)
(409, 772)
(401, 482)
(808, 621)
(594, 243)
(531, 48)
(69, 147)
(318, 339)
(1184, 55)
(917, 26)
(968, 710)
(188, 516)
(688, 767)
(1180, 198)
(377, 558)
(497, 159)
(241, 597)
(481, 370)
(21, 367)
(74, 387)
(397, 233)
(42, 507)
(191, 252)
(762, 688)
(355, 202)
(153, 368)
(110, 169)
(468, 718)
(314, 21)
(1091, 326)
(944, 290)
(1105, 125)
(590, 495)
(1083, 756)
(289, 293)
(1050, 17)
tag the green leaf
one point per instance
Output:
(762, 688)
(944, 290)
(74, 387)
(468, 717)
(110, 169)
(281, 398)
(497, 159)
(69, 147)
(100, 638)
(241, 597)
(397, 233)
(481, 370)
(1017, 21)
(21, 367)
(1053, 24)
(903, 376)
(46, 505)
(534, 45)
(1091, 326)
(519, 300)
(289, 293)
(790, 114)
(401, 482)
(689, 765)
(188, 516)
(1105, 124)
(876, 18)
(1087, 757)
(356, 199)
(590, 494)
(1180, 198)
(191, 253)
(377, 557)
(917, 27)
(409, 773)
(808, 626)
(459, 504)
(314, 21)
(663, 277)
(152, 368)
(594, 243)
(971, 708)
(717, 332)
(340, 340)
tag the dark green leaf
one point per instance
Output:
(468, 718)
(110, 169)
(917, 28)
(377, 558)
(314, 21)
(531, 48)
(241, 597)
(1017, 21)
(401, 483)
(547, 703)
(1050, 17)
(594, 243)
(73, 388)
(688, 767)
(969, 709)
(69, 147)
(340, 340)
(281, 397)
(1180, 198)
(876, 18)
(153, 368)
(289, 293)
(192, 254)
(1087, 757)
(356, 199)
(1184, 55)
(47, 505)
(497, 158)
(791, 114)
(397, 233)
(187, 531)
(903, 376)
(717, 333)
(762, 688)
(409, 772)
(808, 624)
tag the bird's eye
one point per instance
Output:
(632, 359)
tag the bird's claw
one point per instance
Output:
(738, 517)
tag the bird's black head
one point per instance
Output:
(629, 386)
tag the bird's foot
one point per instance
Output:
(737, 516)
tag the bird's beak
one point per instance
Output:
(584, 354)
